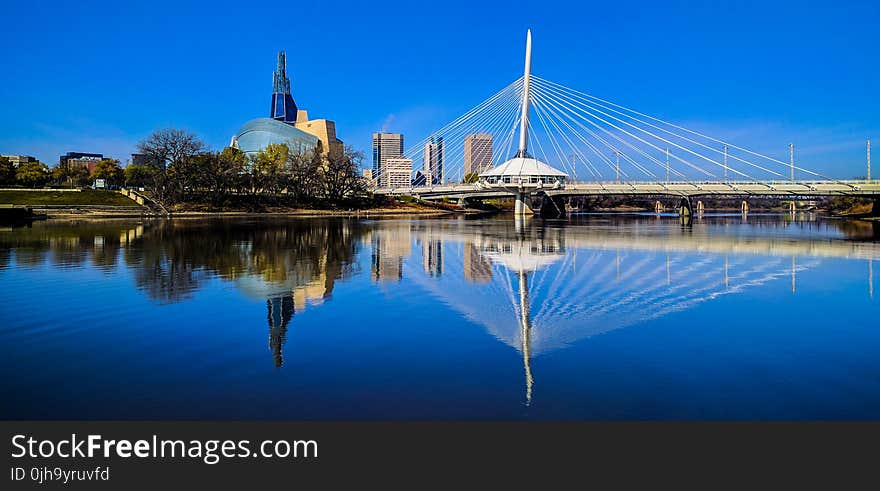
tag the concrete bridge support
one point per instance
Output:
(552, 207)
(744, 207)
(521, 205)
(685, 208)
(700, 208)
(658, 207)
(792, 207)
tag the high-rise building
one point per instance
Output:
(477, 153)
(397, 173)
(385, 146)
(433, 164)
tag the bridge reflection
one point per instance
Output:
(545, 286)
(536, 286)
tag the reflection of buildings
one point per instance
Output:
(477, 268)
(432, 256)
(544, 288)
(390, 246)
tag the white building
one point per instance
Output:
(397, 173)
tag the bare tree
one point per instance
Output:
(170, 145)
(341, 180)
(166, 148)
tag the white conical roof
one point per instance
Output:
(523, 166)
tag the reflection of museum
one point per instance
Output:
(534, 288)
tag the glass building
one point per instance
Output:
(257, 134)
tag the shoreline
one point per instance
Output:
(77, 212)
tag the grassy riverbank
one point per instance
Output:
(65, 198)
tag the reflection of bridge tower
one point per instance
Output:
(525, 325)
(280, 312)
(524, 255)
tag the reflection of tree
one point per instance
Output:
(172, 259)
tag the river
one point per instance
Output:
(598, 317)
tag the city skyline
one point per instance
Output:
(764, 83)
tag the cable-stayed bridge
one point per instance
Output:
(536, 137)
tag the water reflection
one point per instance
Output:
(535, 286)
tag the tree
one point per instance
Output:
(340, 177)
(170, 147)
(471, 177)
(269, 167)
(32, 174)
(138, 175)
(109, 170)
(7, 171)
(304, 174)
(219, 173)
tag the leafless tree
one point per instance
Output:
(341, 179)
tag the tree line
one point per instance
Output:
(37, 174)
(180, 169)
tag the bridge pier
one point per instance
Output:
(521, 204)
(792, 207)
(685, 208)
(875, 208)
(700, 207)
(658, 207)
(552, 207)
(744, 207)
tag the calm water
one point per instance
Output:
(598, 317)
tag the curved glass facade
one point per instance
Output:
(257, 134)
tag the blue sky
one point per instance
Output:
(99, 76)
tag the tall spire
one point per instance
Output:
(524, 119)
(281, 82)
(283, 106)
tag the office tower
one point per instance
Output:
(433, 164)
(385, 146)
(397, 173)
(477, 153)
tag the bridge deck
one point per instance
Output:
(691, 189)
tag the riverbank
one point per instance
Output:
(65, 198)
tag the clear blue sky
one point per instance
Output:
(99, 76)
